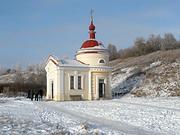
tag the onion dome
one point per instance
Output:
(91, 26)
(91, 42)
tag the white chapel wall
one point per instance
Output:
(75, 73)
(51, 73)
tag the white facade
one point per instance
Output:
(58, 80)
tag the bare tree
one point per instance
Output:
(19, 82)
(168, 42)
(178, 44)
(30, 68)
(18, 68)
(112, 51)
(3, 70)
(139, 44)
(153, 43)
(37, 78)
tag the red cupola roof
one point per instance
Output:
(91, 42)
(91, 26)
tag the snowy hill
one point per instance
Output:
(13, 77)
(155, 74)
(9, 78)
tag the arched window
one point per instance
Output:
(101, 61)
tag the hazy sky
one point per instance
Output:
(30, 30)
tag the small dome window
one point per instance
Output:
(101, 61)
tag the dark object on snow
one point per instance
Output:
(40, 94)
(36, 95)
(32, 94)
(29, 94)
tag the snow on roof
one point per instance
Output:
(73, 63)
(69, 62)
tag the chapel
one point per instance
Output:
(86, 77)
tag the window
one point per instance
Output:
(79, 82)
(101, 61)
(71, 82)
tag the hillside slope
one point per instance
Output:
(155, 74)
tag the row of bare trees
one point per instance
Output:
(33, 77)
(142, 46)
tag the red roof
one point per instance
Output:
(91, 26)
(90, 43)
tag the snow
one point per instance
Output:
(127, 80)
(162, 80)
(156, 79)
(155, 64)
(69, 62)
(9, 78)
(125, 116)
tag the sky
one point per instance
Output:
(31, 30)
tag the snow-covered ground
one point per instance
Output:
(125, 116)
